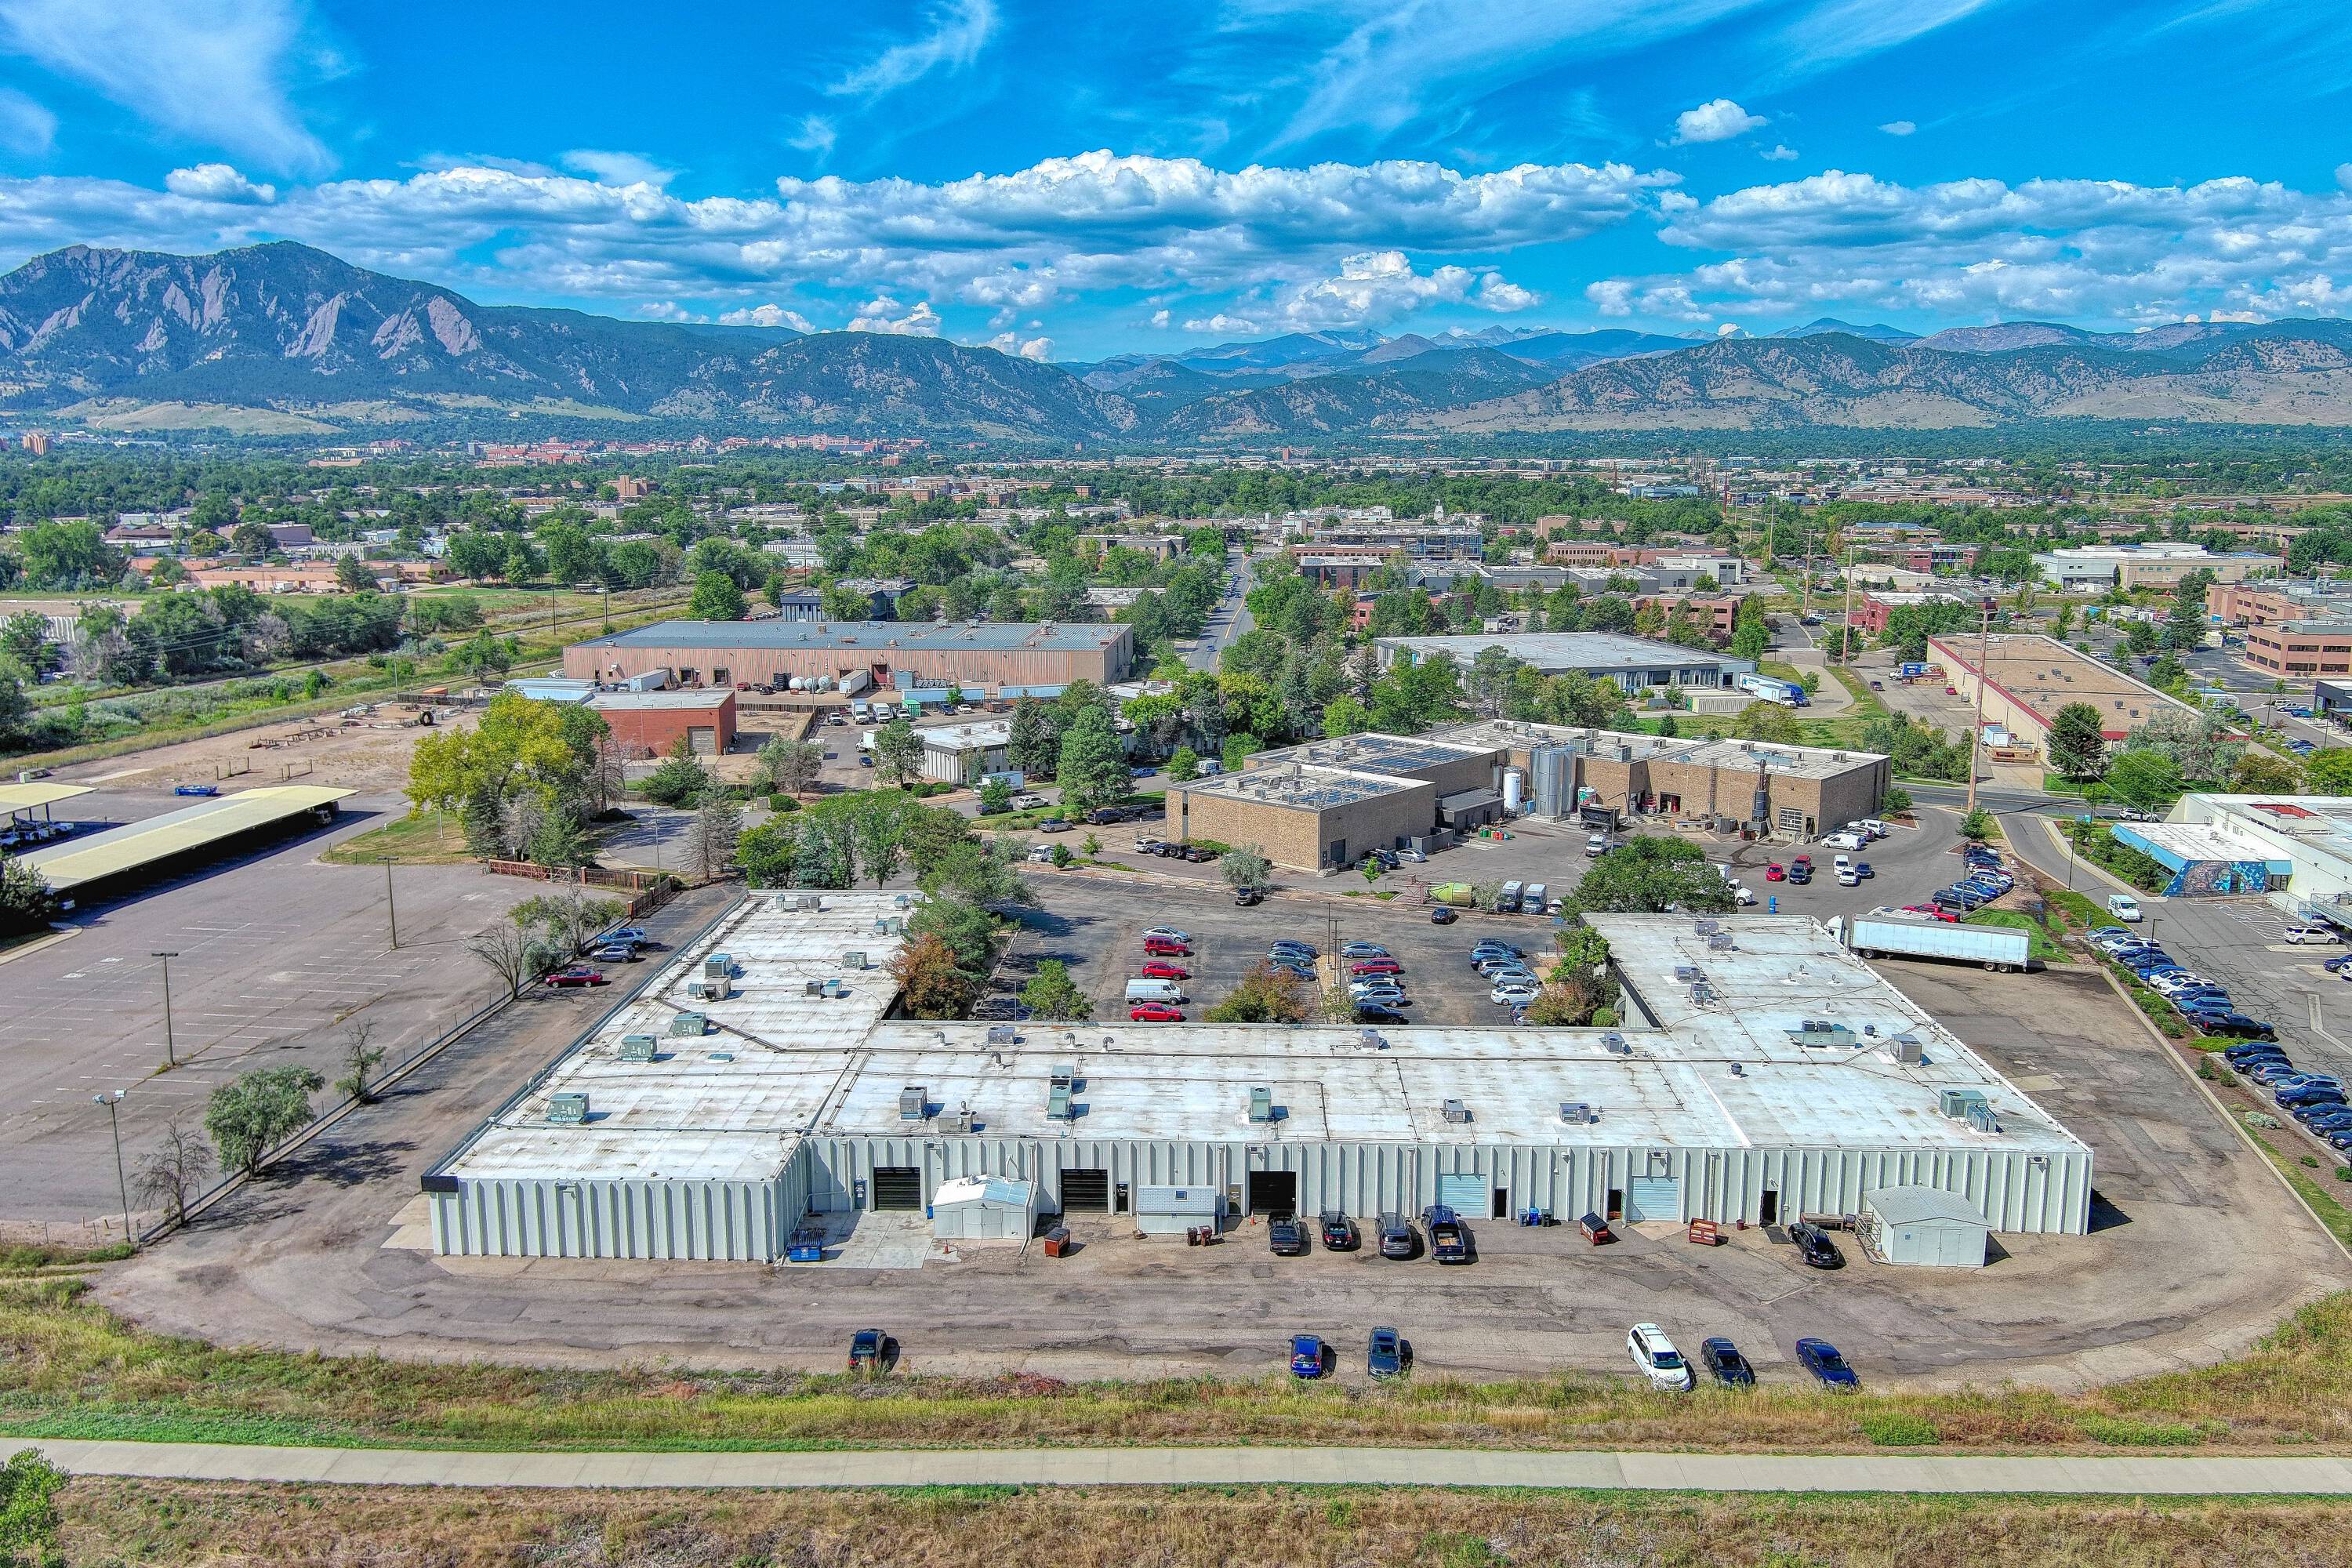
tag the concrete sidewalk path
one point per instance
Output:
(2053, 1474)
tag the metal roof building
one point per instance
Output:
(1637, 663)
(78, 865)
(1759, 1080)
(973, 654)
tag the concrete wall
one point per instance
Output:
(742, 1222)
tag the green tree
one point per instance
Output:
(250, 1116)
(932, 984)
(715, 598)
(791, 766)
(677, 781)
(1263, 998)
(1185, 765)
(1645, 876)
(1344, 715)
(899, 752)
(767, 853)
(2144, 779)
(25, 902)
(352, 575)
(995, 797)
(1244, 866)
(2329, 773)
(2264, 773)
(1895, 801)
(2077, 749)
(1092, 767)
(712, 836)
(29, 1519)
(1769, 722)
(1977, 825)
(1052, 995)
(1239, 750)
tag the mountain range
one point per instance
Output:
(284, 339)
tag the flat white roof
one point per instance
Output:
(1722, 1072)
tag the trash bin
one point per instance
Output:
(1057, 1242)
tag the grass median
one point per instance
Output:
(71, 1369)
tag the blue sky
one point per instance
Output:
(1074, 181)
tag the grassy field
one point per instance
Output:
(2039, 944)
(427, 839)
(68, 1368)
(228, 1526)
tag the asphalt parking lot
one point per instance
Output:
(280, 960)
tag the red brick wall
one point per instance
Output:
(656, 729)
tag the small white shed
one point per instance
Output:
(984, 1208)
(1925, 1226)
(1172, 1211)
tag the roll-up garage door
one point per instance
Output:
(1273, 1192)
(1653, 1197)
(1086, 1190)
(898, 1187)
(1465, 1192)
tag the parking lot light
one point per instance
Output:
(171, 1054)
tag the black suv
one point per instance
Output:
(1286, 1237)
(1339, 1234)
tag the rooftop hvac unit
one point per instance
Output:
(1370, 1040)
(709, 990)
(1820, 1034)
(813, 988)
(1456, 1111)
(1705, 928)
(962, 1121)
(717, 966)
(1721, 942)
(913, 1104)
(854, 960)
(887, 925)
(901, 901)
(1261, 1104)
(567, 1110)
(1981, 1118)
(1065, 1075)
(1003, 1035)
(690, 1024)
(1688, 972)
(1578, 1113)
(1615, 1043)
(639, 1047)
(1058, 1106)
(1908, 1050)
(1701, 993)
(1957, 1103)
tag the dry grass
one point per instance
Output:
(111, 1521)
(71, 1369)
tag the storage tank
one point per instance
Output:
(1514, 791)
(822, 683)
(797, 684)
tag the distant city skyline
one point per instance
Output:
(1071, 182)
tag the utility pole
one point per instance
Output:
(1976, 731)
(391, 910)
(1845, 627)
(170, 1051)
(110, 1099)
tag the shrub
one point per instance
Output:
(1898, 1429)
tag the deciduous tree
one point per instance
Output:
(252, 1114)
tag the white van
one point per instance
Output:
(1846, 841)
(1154, 991)
(2123, 906)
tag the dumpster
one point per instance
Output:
(1595, 1229)
(1057, 1242)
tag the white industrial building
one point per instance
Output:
(2302, 844)
(1763, 1073)
(955, 754)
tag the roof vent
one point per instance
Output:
(1737, 1070)
(638, 1048)
(1456, 1111)
(690, 1024)
(1958, 1103)
(1261, 1104)
(854, 960)
(1004, 1035)
(1578, 1113)
(1370, 1040)
(962, 1121)
(913, 1103)
(567, 1110)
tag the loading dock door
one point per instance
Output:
(703, 739)
(1086, 1190)
(898, 1187)
(1465, 1194)
(1273, 1192)
(1653, 1197)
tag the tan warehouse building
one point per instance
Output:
(1320, 807)
(997, 659)
(2033, 677)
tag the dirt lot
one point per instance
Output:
(331, 1253)
(370, 755)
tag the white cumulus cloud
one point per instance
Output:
(881, 314)
(217, 182)
(1780, 153)
(1379, 285)
(1898, 128)
(1718, 119)
(617, 168)
(1038, 349)
(766, 316)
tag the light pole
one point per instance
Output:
(110, 1099)
(391, 910)
(170, 1053)
(1984, 675)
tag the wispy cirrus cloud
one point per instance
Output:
(218, 73)
(957, 31)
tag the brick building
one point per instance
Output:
(978, 656)
(2268, 603)
(650, 723)
(2300, 648)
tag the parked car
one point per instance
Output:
(1861, 869)
(1399, 1240)
(1517, 993)
(1362, 950)
(2303, 933)
(1379, 1013)
(1284, 1236)
(579, 974)
(1160, 969)
(614, 952)
(1726, 1364)
(633, 935)
(1339, 1234)
(1246, 898)
(1815, 1247)
(1050, 824)
(1309, 1359)
(1153, 1013)
(2237, 1026)
(1931, 911)
(2123, 907)
(869, 1350)
(1387, 1354)
(1656, 1359)
(1829, 1369)
(1776, 872)
(1442, 916)
(1289, 944)
(1801, 875)
(1376, 966)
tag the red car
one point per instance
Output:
(1952, 691)
(1776, 872)
(1160, 947)
(1804, 861)
(1162, 971)
(1932, 911)
(578, 974)
(1153, 1013)
(1376, 966)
